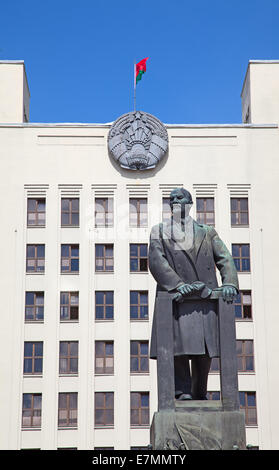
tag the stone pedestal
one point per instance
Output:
(198, 425)
(207, 424)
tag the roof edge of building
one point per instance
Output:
(109, 124)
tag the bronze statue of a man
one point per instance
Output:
(182, 259)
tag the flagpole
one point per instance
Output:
(134, 86)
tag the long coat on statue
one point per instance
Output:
(195, 322)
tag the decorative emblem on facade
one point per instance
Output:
(137, 141)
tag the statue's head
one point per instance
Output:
(180, 201)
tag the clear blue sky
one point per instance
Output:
(79, 55)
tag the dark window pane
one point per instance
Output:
(245, 251)
(237, 264)
(245, 265)
(75, 250)
(237, 309)
(65, 250)
(40, 251)
(134, 311)
(133, 265)
(30, 251)
(133, 250)
(251, 399)
(99, 249)
(244, 218)
(133, 297)
(235, 250)
(244, 204)
(38, 364)
(74, 265)
(65, 218)
(143, 250)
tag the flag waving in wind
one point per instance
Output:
(140, 69)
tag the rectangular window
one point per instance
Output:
(68, 357)
(104, 362)
(67, 410)
(248, 404)
(205, 210)
(138, 305)
(241, 256)
(33, 357)
(103, 212)
(243, 306)
(103, 258)
(104, 305)
(138, 257)
(245, 355)
(139, 408)
(104, 409)
(35, 258)
(166, 209)
(69, 259)
(139, 357)
(138, 212)
(36, 212)
(239, 211)
(69, 306)
(31, 410)
(34, 306)
(69, 212)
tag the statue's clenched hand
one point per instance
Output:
(229, 293)
(185, 289)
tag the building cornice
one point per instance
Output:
(107, 125)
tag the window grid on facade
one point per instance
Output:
(139, 408)
(241, 256)
(36, 212)
(205, 210)
(67, 410)
(138, 257)
(31, 410)
(239, 211)
(248, 404)
(103, 212)
(68, 357)
(35, 258)
(138, 212)
(69, 259)
(104, 360)
(166, 209)
(103, 258)
(138, 305)
(245, 355)
(139, 357)
(34, 306)
(243, 306)
(104, 409)
(69, 306)
(70, 212)
(33, 357)
(104, 305)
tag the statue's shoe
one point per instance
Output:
(184, 396)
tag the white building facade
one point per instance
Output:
(78, 297)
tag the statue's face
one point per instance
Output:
(180, 202)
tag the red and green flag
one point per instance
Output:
(140, 69)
